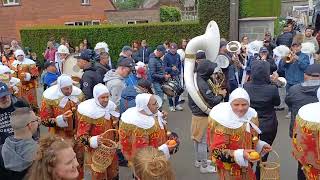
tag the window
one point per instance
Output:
(137, 21)
(11, 2)
(83, 23)
(85, 2)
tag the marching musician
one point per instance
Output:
(60, 57)
(144, 125)
(199, 123)
(58, 107)
(305, 142)
(233, 137)
(96, 116)
(26, 70)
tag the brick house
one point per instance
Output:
(15, 14)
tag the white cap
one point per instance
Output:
(63, 49)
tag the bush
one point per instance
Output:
(261, 8)
(116, 36)
(217, 10)
(169, 14)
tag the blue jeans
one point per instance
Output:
(176, 101)
(158, 90)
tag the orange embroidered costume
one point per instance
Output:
(94, 120)
(306, 139)
(28, 73)
(228, 137)
(138, 130)
(54, 104)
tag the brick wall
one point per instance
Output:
(123, 16)
(48, 12)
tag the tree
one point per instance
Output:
(169, 14)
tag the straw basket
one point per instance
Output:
(270, 170)
(104, 154)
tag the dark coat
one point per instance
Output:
(89, 79)
(171, 60)
(263, 96)
(285, 39)
(143, 54)
(156, 70)
(300, 95)
(101, 70)
(204, 70)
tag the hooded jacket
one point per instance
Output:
(115, 84)
(16, 157)
(89, 79)
(263, 96)
(171, 60)
(300, 95)
(285, 39)
(156, 69)
(204, 70)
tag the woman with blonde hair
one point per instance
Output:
(151, 164)
(55, 160)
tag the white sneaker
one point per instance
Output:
(288, 116)
(172, 109)
(179, 108)
(197, 164)
(208, 169)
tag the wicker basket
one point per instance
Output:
(103, 156)
(270, 170)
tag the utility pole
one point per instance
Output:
(234, 20)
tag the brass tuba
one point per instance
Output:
(209, 42)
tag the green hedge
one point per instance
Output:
(170, 14)
(218, 10)
(116, 36)
(260, 8)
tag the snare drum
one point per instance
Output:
(306, 140)
(172, 88)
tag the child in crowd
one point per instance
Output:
(51, 75)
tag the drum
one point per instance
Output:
(306, 141)
(172, 88)
(71, 68)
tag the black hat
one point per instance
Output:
(126, 62)
(313, 70)
(48, 63)
(201, 55)
(263, 49)
(161, 48)
(86, 54)
(4, 90)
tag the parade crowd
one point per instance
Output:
(124, 100)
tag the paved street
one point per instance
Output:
(183, 161)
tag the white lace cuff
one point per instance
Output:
(238, 157)
(61, 122)
(27, 77)
(94, 142)
(165, 149)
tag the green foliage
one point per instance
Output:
(116, 36)
(129, 4)
(217, 10)
(260, 8)
(169, 14)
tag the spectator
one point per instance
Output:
(63, 41)
(285, 38)
(126, 52)
(270, 46)
(14, 45)
(51, 75)
(129, 94)
(183, 44)
(50, 52)
(151, 164)
(139, 73)
(156, 70)
(13, 83)
(309, 38)
(144, 52)
(77, 50)
(18, 151)
(71, 49)
(7, 56)
(55, 44)
(172, 64)
(166, 45)
(55, 159)
(263, 98)
(135, 50)
(27, 51)
(245, 41)
(264, 56)
(81, 47)
(182, 55)
(101, 63)
(90, 78)
(114, 79)
(86, 44)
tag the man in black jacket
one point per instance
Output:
(285, 38)
(302, 94)
(263, 98)
(199, 124)
(264, 55)
(101, 63)
(90, 78)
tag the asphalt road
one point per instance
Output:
(183, 161)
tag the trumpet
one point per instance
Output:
(289, 58)
(234, 47)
